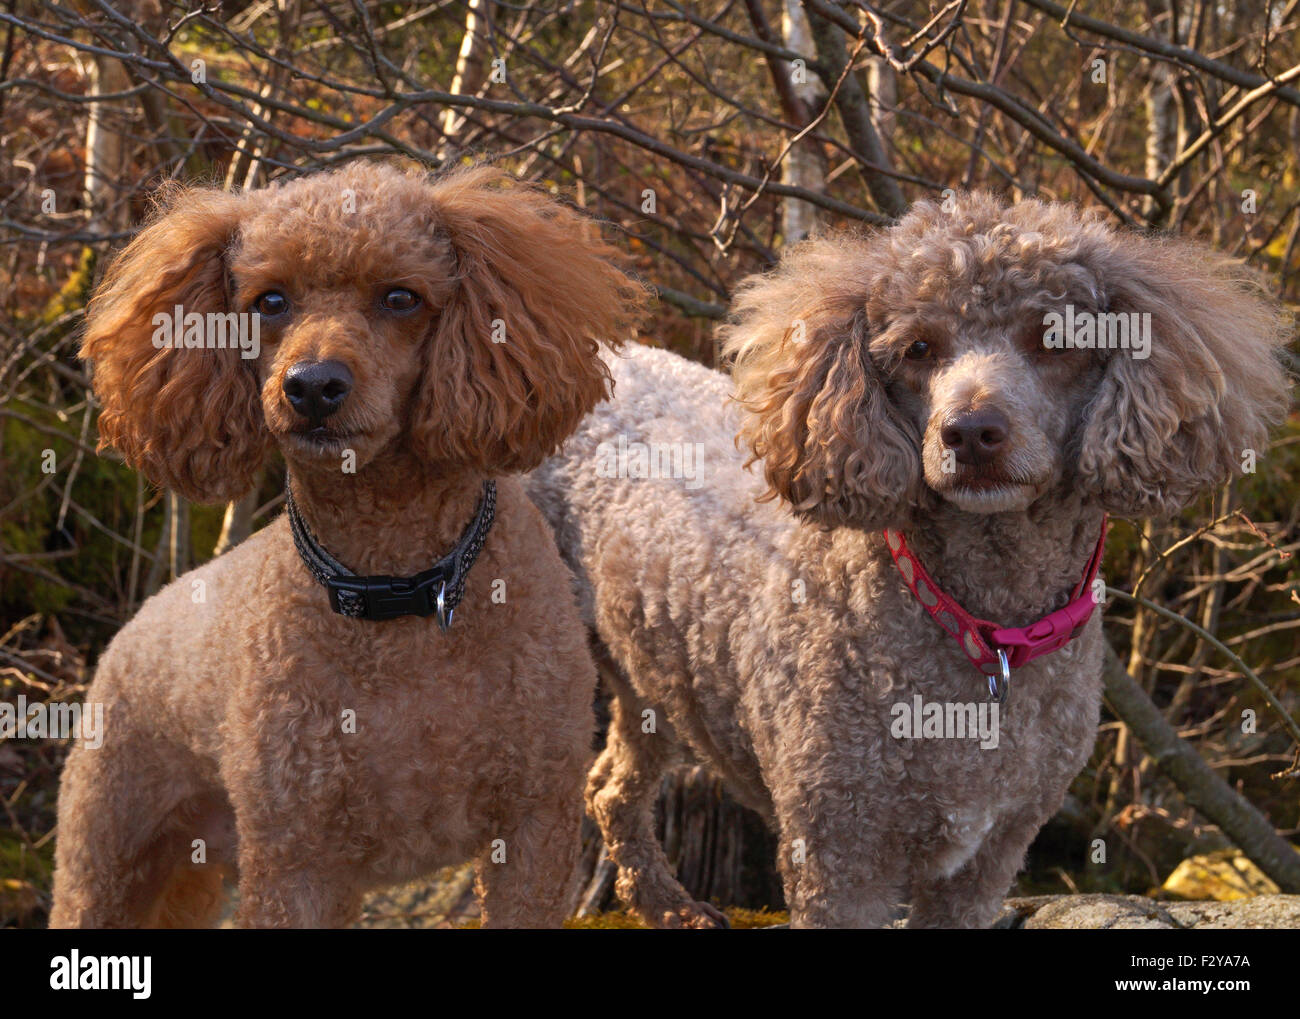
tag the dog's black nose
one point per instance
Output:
(317, 389)
(977, 436)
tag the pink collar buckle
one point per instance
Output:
(1051, 633)
(995, 650)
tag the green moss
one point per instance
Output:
(75, 292)
(740, 919)
(25, 876)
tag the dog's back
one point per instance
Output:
(662, 451)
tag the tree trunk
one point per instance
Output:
(882, 86)
(720, 851)
(803, 165)
(105, 149)
(471, 64)
(237, 524)
(1200, 785)
(854, 107)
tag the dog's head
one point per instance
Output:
(989, 355)
(349, 313)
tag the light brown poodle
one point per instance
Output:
(417, 338)
(910, 381)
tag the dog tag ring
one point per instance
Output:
(1000, 686)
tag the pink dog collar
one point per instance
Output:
(996, 650)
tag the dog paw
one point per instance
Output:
(698, 916)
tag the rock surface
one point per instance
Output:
(1120, 912)
(450, 903)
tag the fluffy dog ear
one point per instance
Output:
(831, 442)
(189, 419)
(1163, 428)
(513, 362)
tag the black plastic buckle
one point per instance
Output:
(391, 597)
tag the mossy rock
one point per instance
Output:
(740, 919)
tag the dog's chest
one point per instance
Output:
(1011, 768)
(417, 768)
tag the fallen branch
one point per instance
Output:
(1200, 785)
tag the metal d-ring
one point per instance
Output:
(1000, 686)
(444, 613)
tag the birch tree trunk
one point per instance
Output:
(237, 524)
(471, 64)
(854, 107)
(1167, 127)
(803, 167)
(105, 148)
(882, 87)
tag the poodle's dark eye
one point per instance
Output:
(1045, 341)
(918, 351)
(400, 299)
(271, 304)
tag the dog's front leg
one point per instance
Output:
(287, 774)
(290, 878)
(971, 897)
(526, 877)
(275, 894)
(837, 868)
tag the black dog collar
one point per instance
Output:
(433, 592)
